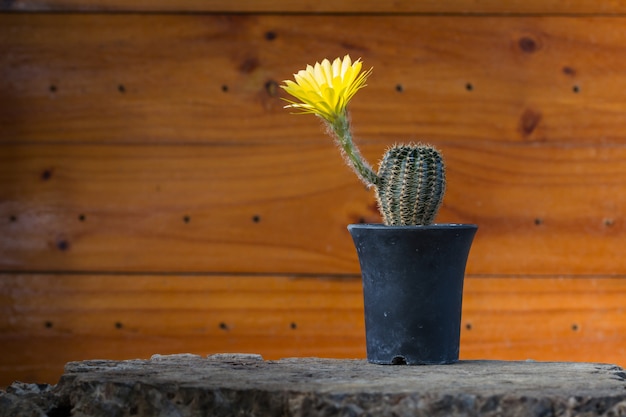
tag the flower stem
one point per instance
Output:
(341, 128)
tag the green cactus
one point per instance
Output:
(410, 182)
(410, 185)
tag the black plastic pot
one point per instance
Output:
(413, 290)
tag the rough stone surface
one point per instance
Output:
(246, 385)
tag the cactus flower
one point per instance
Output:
(325, 89)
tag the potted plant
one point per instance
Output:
(412, 269)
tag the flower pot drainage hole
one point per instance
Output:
(398, 360)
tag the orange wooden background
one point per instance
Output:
(155, 197)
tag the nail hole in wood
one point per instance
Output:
(118, 325)
(223, 326)
(121, 88)
(538, 221)
(469, 87)
(63, 245)
(575, 327)
(609, 222)
(293, 326)
(186, 219)
(399, 88)
(468, 326)
(48, 324)
(82, 217)
(256, 218)
(225, 88)
(46, 174)
(576, 89)
(52, 88)
(12, 218)
(270, 35)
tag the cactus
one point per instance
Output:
(410, 182)
(410, 185)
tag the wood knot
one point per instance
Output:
(569, 71)
(249, 64)
(271, 87)
(529, 121)
(528, 44)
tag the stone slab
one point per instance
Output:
(247, 385)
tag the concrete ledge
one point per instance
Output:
(246, 385)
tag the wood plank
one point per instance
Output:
(177, 208)
(577, 318)
(542, 209)
(212, 78)
(48, 320)
(310, 6)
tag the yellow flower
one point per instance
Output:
(325, 89)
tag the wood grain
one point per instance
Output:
(48, 320)
(213, 78)
(284, 209)
(310, 6)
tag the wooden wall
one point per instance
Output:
(155, 197)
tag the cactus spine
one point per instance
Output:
(410, 185)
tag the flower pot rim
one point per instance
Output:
(434, 226)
